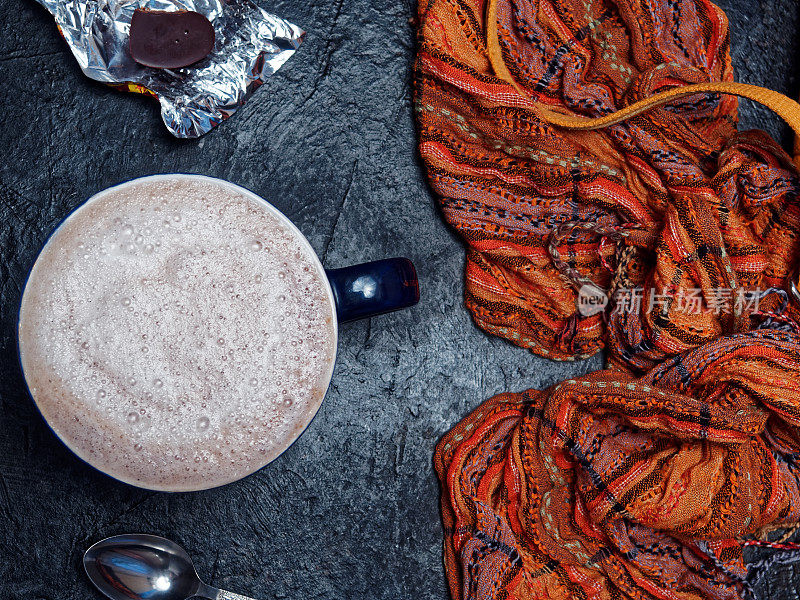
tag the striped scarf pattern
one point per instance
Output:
(646, 479)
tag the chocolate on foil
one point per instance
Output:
(251, 44)
(169, 39)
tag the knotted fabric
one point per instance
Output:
(645, 479)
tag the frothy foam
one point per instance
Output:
(177, 334)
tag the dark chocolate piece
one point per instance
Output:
(169, 39)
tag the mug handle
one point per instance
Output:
(373, 288)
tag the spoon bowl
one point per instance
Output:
(146, 567)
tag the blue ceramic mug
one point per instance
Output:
(354, 292)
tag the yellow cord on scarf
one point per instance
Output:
(785, 107)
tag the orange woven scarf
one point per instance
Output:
(667, 240)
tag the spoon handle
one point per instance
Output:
(225, 595)
(212, 593)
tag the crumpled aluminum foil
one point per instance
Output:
(251, 45)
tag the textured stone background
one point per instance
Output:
(350, 511)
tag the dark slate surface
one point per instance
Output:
(350, 511)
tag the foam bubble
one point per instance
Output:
(220, 324)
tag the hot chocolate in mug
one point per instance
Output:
(178, 332)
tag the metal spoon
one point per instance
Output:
(147, 567)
